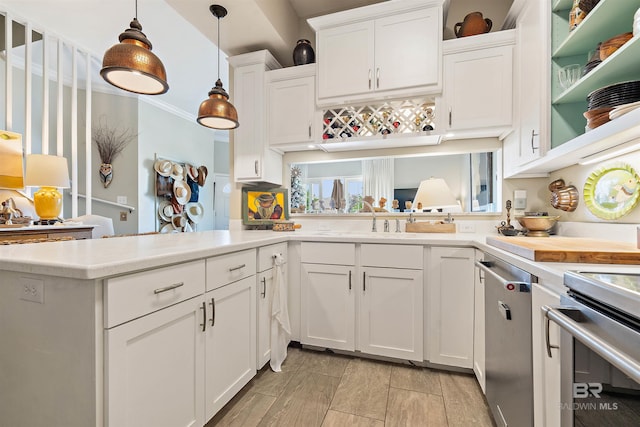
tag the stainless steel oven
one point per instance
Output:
(599, 349)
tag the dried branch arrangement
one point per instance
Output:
(111, 141)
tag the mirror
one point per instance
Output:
(340, 186)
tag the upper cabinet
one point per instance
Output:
(363, 53)
(254, 161)
(478, 89)
(291, 115)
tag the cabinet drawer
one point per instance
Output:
(265, 255)
(328, 253)
(137, 294)
(393, 256)
(224, 269)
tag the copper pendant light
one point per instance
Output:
(130, 64)
(217, 112)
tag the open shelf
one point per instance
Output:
(596, 26)
(621, 66)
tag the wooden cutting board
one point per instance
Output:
(568, 249)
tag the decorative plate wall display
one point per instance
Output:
(612, 191)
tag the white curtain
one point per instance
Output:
(377, 179)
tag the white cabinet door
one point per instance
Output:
(478, 88)
(230, 342)
(345, 60)
(328, 306)
(451, 300)
(291, 111)
(390, 314)
(407, 50)
(532, 58)
(265, 296)
(155, 368)
(254, 161)
(546, 370)
(478, 324)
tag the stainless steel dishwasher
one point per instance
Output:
(509, 369)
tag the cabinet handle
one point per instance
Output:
(377, 78)
(369, 78)
(213, 311)
(480, 277)
(454, 257)
(449, 116)
(349, 279)
(309, 130)
(204, 316)
(264, 287)
(238, 267)
(364, 281)
(533, 133)
(255, 167)
(168, 288)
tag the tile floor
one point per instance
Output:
(330, 390)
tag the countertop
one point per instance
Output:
(98, 258)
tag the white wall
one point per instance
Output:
(174, 138)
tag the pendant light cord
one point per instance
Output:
(136, 10)
(218, 46)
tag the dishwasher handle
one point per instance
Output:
(509, 285)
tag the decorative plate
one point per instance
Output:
(613, 191)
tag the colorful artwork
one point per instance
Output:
(264, 206)
(613, 191)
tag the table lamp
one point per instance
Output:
(434, 193)
(49, 173)
(11, 169)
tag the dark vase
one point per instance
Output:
(303, 53)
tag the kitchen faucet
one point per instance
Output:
(373, 212)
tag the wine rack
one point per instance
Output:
(391, 117)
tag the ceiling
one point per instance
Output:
(183, 32)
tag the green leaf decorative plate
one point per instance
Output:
(613, 191)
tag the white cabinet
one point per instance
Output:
(546, 370)
(292, 119)
(155, 368)
(327, 293)
(450, 301)
(384, 304)
(532, 94)
(154, 347)
(477, 91)
(230, 342)
(390, 306)
(328, 306)
(363, 53)
(478, 324)
(264, 294)
(390, 314)
(254, 161)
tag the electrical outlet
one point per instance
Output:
(123, 216)
(122, 200)
(32, 290)
(466, 228)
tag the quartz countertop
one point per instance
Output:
(98, 258)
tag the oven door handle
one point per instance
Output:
(611, 354)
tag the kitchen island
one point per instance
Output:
(68, 311)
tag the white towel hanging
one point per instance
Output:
(280, 327)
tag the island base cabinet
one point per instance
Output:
(230, 342)
(155, 369)
(328, 306)
(391, 313)
(450, 301)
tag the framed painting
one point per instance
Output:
(11, 160)
(261, 207)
